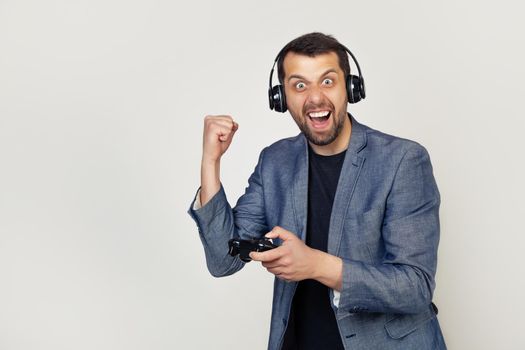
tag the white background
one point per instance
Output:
(101, 108)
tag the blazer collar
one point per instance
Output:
(358, 137)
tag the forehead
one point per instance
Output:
(295, 64)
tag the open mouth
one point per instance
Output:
(319, 117)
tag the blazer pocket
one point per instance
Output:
(403, 325)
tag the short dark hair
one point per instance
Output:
(313, 44)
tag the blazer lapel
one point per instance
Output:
(345, 188)
(300, 189)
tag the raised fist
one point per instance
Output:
(218, 135)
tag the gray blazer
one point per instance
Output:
(384, 225)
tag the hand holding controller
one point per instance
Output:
(243, 247)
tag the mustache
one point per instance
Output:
(324, 105)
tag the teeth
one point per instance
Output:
(318, 114)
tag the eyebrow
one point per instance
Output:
(300, 77)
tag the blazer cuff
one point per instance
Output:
(353, 297)
(197, 201)
(205, 214)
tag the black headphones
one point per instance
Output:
(355, 87)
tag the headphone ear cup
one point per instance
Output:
(278, 99)
(270, 98)
(354, 89)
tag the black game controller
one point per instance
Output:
(243, 247)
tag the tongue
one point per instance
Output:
(319, 121)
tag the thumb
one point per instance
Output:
(279, 232)
(229, 135)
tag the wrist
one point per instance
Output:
(328, 270)
(210, 162)
(318, 263)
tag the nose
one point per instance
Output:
(315, 95)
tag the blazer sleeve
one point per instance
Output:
(404, 280)
(217, 223)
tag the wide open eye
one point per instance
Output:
(300, 86)
(328, 81)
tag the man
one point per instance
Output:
(354, 211)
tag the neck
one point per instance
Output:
(339, 144)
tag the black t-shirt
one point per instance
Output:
(312, 323)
